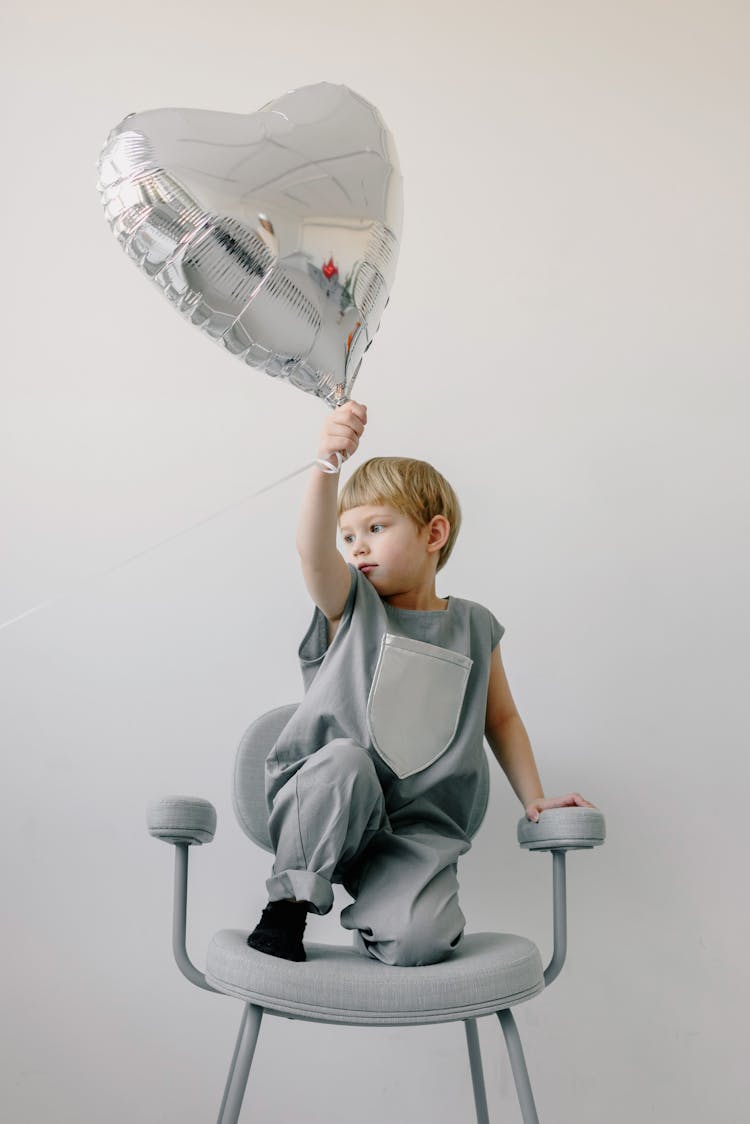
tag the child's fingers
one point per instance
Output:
(347, 445)
(352, 410)
(338, 429)
(351, 413)
(345, 433)
(572, 799)
(578, 800)
(350, 425)
(342, 438)
(342, 429)
(533, 809)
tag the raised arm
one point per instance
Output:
(324, 570)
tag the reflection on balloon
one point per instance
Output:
(276, 232)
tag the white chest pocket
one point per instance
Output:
(415, 702)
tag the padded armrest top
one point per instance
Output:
(562, 829)
(181, 819)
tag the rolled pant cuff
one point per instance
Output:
(304, 886)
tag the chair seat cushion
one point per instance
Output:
(486, 973)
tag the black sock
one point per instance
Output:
(279, 931)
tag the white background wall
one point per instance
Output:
(568, 341)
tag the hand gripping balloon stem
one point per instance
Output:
(326, 466)
(276, 232)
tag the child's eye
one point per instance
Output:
(377, 527)
(348, 538)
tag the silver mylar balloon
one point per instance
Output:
(276, 232)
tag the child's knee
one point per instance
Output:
(424, 936)
(342, 761)
(339, 766)
(416, 946)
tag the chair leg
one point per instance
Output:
(477, 1076)
(518, 1065)
(239, 1070)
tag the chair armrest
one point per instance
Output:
(181, 819)
(562, 829)
(559, 830)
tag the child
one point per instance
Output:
(375, 780)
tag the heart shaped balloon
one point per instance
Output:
(275, 232)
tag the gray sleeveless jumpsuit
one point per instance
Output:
(375, 780)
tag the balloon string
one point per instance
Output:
(162, 542)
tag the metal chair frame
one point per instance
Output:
(185, 821)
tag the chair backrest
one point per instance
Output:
(249, 795)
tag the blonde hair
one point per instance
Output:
(412, 487)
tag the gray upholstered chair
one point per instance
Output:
(487, 975)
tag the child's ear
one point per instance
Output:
(440, 529)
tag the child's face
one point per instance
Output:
(388, 546)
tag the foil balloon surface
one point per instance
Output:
(276, 232)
